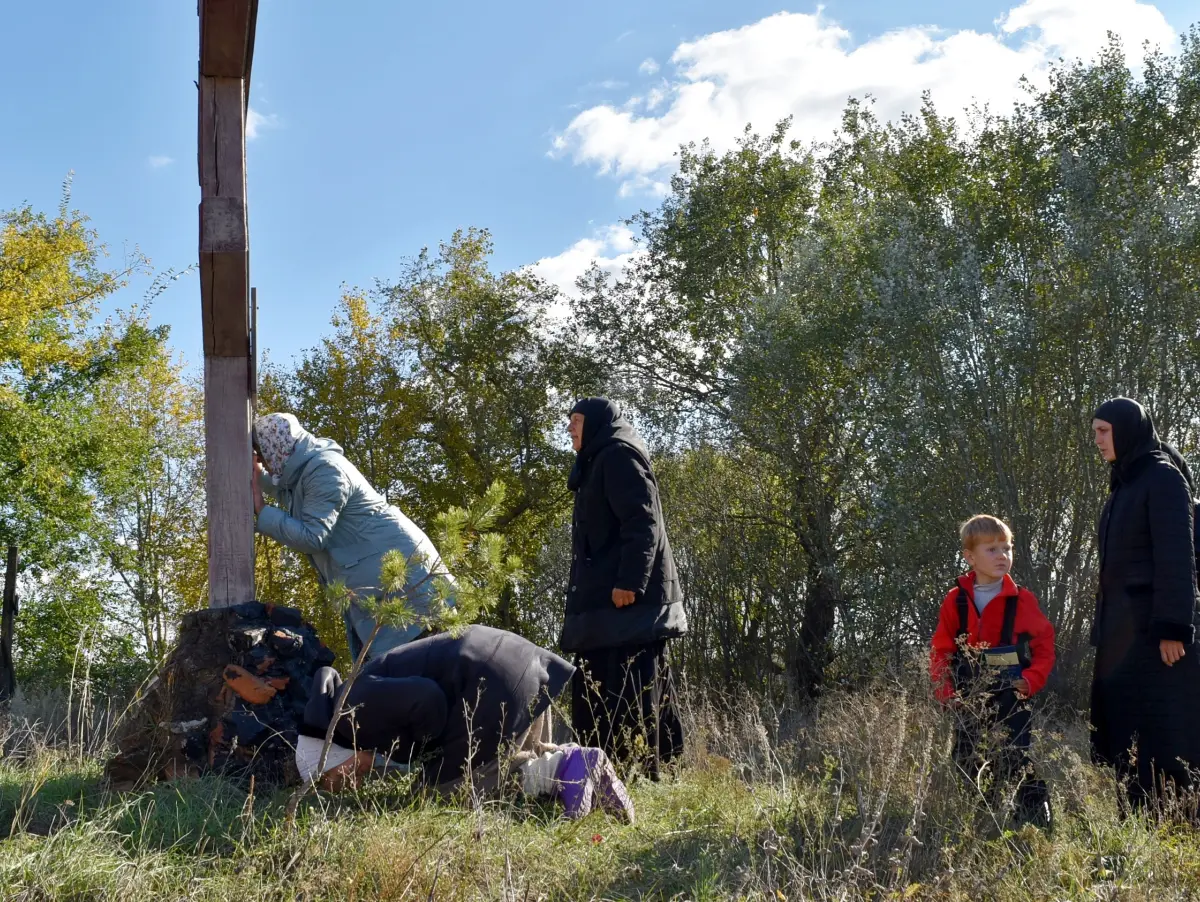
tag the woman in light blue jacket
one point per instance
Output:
(328, 511)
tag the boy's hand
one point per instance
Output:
(1022, 687)
(623, 597)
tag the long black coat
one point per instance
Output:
(1147, 593)
(619, 541)
(436, 697)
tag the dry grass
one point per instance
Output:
(857, 800)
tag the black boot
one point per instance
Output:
(1033, 805)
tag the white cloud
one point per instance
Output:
(649, 66)
(1076, 29)
(611, 248)
(807, 66)
(158, 161)
(256, 122)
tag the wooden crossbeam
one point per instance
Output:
(226, 53)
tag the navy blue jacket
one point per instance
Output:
(442, 699)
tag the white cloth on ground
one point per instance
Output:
(308, 756)
(538, 774)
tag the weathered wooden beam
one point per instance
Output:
(223, 279)
(226, 53)
(224, 230)
(222, 157)
(230, 504)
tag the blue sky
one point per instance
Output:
(384, 126)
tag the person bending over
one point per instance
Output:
(468, 710)
(329, 512)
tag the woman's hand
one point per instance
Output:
(1171, 650)
(1022, 687)
(259, 503)
(622, 597)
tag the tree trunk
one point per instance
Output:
(228, 699)
(8, 616)
(813, 650)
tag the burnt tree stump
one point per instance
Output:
(228, 700)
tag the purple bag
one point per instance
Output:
(586, 777)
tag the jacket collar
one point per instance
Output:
(307, 447)
(1008, 586)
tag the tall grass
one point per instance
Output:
(856, 799)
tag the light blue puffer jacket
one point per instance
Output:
(330, 512)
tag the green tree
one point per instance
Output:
(1053, 266)
(928, 341)
(53, 440)
(445, 382)
(74, 627)
(720, 239)
(744, 312)
(150, 500)
(51, 282)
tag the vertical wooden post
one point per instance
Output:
(8, 617)
(253, 352)
(226, 51)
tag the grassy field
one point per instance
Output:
(857, 802)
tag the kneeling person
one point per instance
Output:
(474, 706)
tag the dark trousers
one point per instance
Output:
(992, 738)
(623, 701)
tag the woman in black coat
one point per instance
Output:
(1146, 688)
(623, 601)
(442, 701)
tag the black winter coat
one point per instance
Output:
(436, 697)
(1147, 593)
(619, 540)
(1147, 555)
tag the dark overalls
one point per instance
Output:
(983, 680)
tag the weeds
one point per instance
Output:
(855, 800)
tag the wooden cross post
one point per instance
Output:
(226, 53)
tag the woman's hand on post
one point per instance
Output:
(1171, 650)
(622, 597)
(259, 503)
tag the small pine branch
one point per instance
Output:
(472, 570)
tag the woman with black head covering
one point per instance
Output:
(623, 600)
(1146, 688)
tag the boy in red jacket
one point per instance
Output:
(993, 649)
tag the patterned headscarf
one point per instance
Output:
(275, 437)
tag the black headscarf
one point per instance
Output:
(1134, 436)
(603, 425)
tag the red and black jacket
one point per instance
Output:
(987, 631)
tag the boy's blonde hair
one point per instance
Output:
(980, 527)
